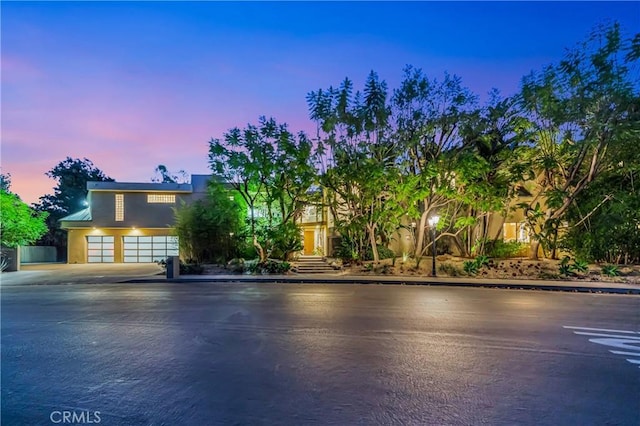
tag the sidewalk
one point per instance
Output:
(569, 286)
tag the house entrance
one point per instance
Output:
(309, 242)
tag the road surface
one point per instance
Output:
(243, 353)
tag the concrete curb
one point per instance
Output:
(526, 285)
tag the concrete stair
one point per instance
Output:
(313, 265)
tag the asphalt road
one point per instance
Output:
(251, 354)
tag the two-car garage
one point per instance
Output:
(135, 249)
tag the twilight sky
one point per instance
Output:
(131, 85)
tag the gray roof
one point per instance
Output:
(81, 216)
(138, 186)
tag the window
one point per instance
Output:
(515, 232)
(161, 198)
(119, 207)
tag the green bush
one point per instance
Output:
(346, 251)
(504, 250)
(271, 266)
(251, 266)
(470, 267)
(383, 253)
(610, 270)
(450, 269)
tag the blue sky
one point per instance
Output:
(131, 85)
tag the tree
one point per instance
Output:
(5, 181)
(163, 175)
(270, 169)
(584, 109)
(428, 117)
(20, 224)
(70, 194)
(208, 228)
(357, 160)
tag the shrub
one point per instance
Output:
(481, 261)
(568, 269)
(271, 266)
(236, 265)
(251, 266)
(610, 270)
(450, 269)
(383, 253)
(470, 267)
(191, 268)
(504, 250)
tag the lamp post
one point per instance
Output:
(433, 222)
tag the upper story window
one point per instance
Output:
(161, 198)
(119, 207)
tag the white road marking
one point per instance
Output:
(601, 329)
(628, 340)
(582, 333)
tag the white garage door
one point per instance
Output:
(100, 249)
(149, 249)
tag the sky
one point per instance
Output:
(131, 85)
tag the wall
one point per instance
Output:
(137, 212)
(38, 254)
(12, 256)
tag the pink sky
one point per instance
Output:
(130, 85)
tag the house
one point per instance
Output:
(128, 222)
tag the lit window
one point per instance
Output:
(516, 232)
(161, 198)
(119, 207)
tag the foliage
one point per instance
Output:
(207, 229)
(69, 196)
(20, 225)
(450, 269)
(503, 250)
(383, 253)
(286, 240)
(272, 266)
(482, 261)
(470, 267)
(347, 250)
(356, 157)
(610, 270)
(5, 182)
(163, 175)
(572, 269)
(269, 266)
(271, 170)
(585, 114)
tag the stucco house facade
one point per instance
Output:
(128, 222)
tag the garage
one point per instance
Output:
(100, 249)
(139, 249)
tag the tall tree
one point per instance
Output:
(163, 175)
(271, 169)
(357, 161)
(428, 117)
(584, 108)
(70, 194)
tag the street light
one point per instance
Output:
(433, 222)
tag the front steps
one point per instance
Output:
(313, 265)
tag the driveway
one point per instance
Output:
(59, 273)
